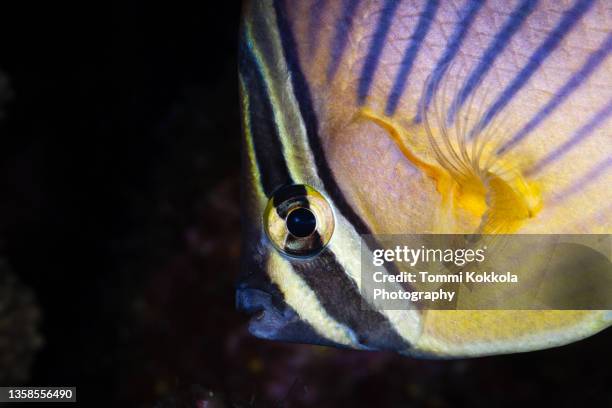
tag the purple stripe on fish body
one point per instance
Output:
(376, 46)
(565, 25)
(594, 61)
(495, 48)
(421, 30)
(340, 39)
(578, 137)
(596, 172)
(314, 24)
(456, 39)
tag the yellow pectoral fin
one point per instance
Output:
(494, 199)
(398, 135)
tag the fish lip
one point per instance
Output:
(250, 300)
(265, 318)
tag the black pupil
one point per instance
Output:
(301, 222)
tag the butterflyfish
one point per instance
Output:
(416, 117)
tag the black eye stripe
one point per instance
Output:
(269, 157)
(341, 298)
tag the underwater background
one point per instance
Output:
(120, 233)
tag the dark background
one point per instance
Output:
(119, 209)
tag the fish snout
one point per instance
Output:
(251, 301)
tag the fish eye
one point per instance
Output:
(299, 221)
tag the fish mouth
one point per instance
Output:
(273, 319)
(251, 301)
(267, 314)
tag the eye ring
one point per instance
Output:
(298, 221)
